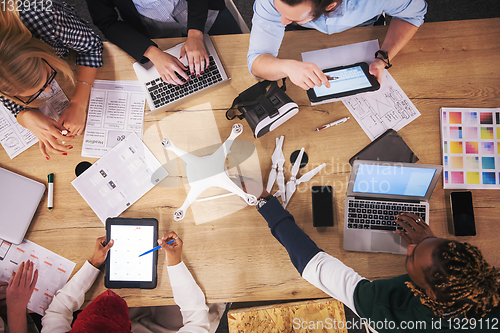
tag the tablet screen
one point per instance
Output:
(130, 242)
(346, 79)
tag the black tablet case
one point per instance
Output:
(388, 147)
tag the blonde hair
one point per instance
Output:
(22, 57)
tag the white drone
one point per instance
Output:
(276, 173)
(208, 171)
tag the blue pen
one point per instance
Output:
(158, 247)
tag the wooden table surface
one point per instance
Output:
(235, 258)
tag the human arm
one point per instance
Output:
(75, 115)
(187, 294)
(398, 34)
(59, 315)
(415, 228)
(18, 293)
(265, 40)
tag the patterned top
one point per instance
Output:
(59, 26)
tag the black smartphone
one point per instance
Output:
(322, 206)
(463, 214)
(345, 81)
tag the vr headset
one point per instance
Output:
(265, 106)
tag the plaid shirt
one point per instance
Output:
(62, 29)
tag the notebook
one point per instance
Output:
(161, 95)
(377, 191)
(19, 199)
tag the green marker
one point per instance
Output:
(50, 199)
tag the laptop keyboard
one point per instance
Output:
(379, 215)
(164, 93)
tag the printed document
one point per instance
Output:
(375, 111)
(120, 178)
(116, 109)
(53, 270)
(14, 138)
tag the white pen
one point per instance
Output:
(50, 197)
(338, 122)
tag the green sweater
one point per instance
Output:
(390, 306)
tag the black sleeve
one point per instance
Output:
(299, 246)
(198, 10)
(119, 32)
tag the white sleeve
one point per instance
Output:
(333, 277)
(189, 297)
(59, 315)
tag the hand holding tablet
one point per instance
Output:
(344, 81)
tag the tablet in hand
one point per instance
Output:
(345, 81)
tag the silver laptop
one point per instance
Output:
(19, 199)
(161, 95)
(377, 191)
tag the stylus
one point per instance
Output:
(158, 247)
(338, 122)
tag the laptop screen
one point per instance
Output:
(393, 180)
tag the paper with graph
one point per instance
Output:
(377, 111)
(470, 141)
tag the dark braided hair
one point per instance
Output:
(318, 6)
(463, 282)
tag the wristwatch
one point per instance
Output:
(262, 201)
(384, 57)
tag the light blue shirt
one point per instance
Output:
(267, 30)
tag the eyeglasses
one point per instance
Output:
(50, 78)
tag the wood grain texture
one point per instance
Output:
(318, 316)
(235, 258)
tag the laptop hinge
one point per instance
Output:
(385, 199)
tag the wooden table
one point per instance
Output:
(235, 258)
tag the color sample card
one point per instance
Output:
(470, 142)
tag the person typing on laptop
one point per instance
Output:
(142, 20)
(446, 280)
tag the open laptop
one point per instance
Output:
(19, 199)
(377, 191)
(161, 95)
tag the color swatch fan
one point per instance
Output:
(470, 141)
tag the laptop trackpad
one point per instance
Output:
(385, 242)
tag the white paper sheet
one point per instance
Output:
(53, 270)
(376, 111)
(120, 178)
(14, 138)
(116, 109)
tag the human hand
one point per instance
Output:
(196, 52)
(21, 286)
(305, 74)
(377, 69)
(3, 289)
(416, 230)
(252, 186)
(47, 130)
(100, 251)
(167, 66)
(173, 251)
(74, 117)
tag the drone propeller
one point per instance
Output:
(291, 185)
(274, 159)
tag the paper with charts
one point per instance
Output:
(15, 138)
(376, 111)
(53, 270)
(120, 178)
(470, 142)
(116, 109)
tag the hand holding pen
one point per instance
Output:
(173, 250)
